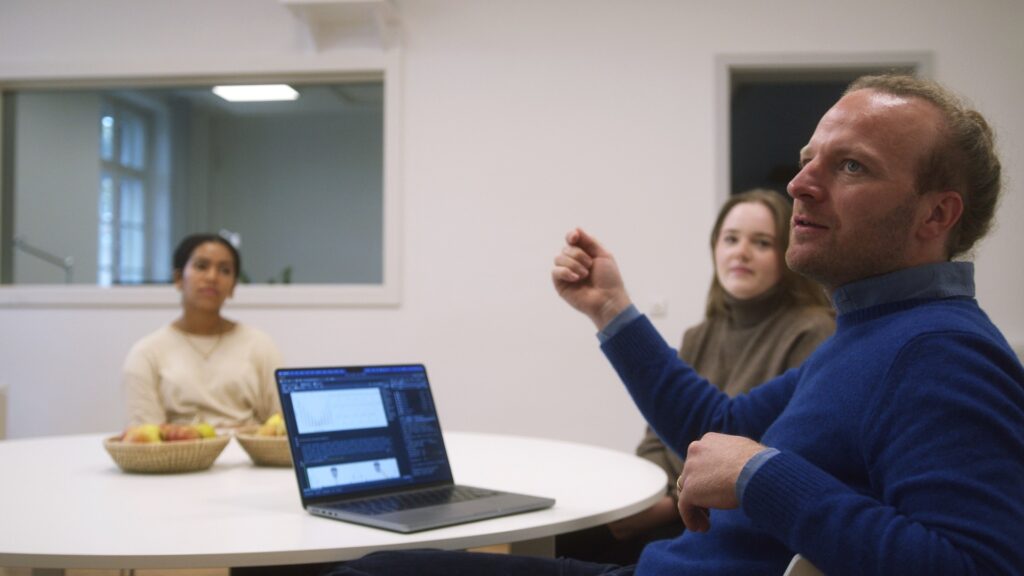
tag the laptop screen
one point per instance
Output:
(357, 430)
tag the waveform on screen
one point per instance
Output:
(337, 410)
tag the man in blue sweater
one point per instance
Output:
(898, 446)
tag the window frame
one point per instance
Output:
(386, 294)
(120, 172)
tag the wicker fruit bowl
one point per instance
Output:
(166, 457)
(264, 450)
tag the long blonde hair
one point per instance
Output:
(796, 289)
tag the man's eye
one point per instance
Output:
(852, 166)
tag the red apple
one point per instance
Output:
(177, 432)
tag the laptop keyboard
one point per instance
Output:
(410, 500)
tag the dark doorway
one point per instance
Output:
(772, 116)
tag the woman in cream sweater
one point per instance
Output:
(203, 366)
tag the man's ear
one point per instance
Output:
(942, 211)
(177, 279)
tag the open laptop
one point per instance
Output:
(367, 448)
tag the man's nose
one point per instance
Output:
(807, 184)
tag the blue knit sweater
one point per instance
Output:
(901, 446)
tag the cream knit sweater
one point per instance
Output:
(171, 376)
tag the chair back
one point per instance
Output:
(801, 566)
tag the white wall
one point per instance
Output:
(521, 118)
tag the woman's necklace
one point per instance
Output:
(204, 354)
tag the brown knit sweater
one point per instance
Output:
(759, 339)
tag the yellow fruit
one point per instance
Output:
(274, 426)
(142, 434)
(205, 430)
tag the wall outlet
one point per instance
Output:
(658, 309)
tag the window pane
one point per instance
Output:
(132, 202)
(107, 137)
(205, 165)
(133, 141)
(132, 265)
(105, 255)
(132, 231)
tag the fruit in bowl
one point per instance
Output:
(274, 426)
(267, 443)
(155, 433)
(205, 430)
(143, 434)
(162, 448)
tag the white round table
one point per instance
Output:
(65, 504)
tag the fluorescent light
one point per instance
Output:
(256, 93)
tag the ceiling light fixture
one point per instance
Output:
(256, 93)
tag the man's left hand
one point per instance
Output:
(712, 467)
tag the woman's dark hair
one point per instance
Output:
(796, 289)
(189, 244)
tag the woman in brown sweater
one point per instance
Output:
(761, 319)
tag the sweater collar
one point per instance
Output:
(745, 313)
(929, 281)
